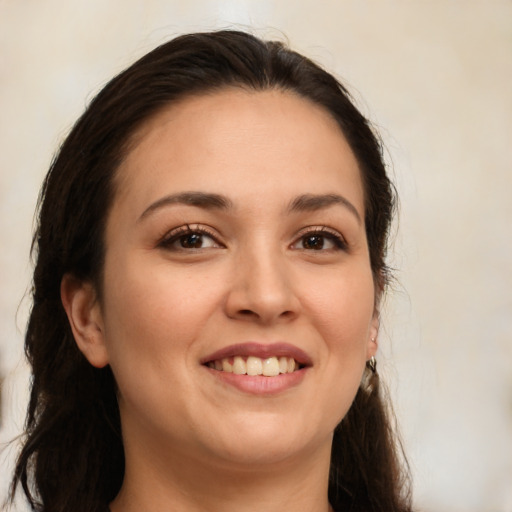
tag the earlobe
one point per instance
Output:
(84, 316)
(373, 342)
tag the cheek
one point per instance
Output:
(154, 314)
(340, 310)
(154, 318)
(344, 308)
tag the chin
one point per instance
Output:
(267, 440)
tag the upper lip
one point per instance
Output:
(263, 351)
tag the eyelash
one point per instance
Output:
(174, 236)
(324, 232)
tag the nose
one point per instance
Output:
(262, 289)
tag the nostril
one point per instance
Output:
(250, 312)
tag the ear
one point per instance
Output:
(85, 318)
(373, 335)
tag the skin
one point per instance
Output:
(192, 442)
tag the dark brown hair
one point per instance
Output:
(72, 458)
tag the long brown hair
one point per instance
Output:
(72, 458)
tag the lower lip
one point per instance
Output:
(259, 384)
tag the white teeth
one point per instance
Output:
(270, 367)
(239, 366)
(254, 366)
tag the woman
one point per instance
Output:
(210, 264)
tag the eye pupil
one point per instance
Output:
(192, 241)
(313, 242)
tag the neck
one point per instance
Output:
(177, 482)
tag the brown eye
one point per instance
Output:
(188, 238)
(191, 241)
(320, 240)
(314, 242)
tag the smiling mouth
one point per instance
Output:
(251, 365)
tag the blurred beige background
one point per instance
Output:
(436, 77)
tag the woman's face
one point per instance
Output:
(236, 244)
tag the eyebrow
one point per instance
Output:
(313, 202)
(302, 203)
(199, 199)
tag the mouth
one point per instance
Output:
(251, 365)
(255, 359)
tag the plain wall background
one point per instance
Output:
(435, 76)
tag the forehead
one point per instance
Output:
(239, 140)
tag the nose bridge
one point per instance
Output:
(261, 286)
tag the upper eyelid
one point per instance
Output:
(321, 230)
(186, 229)
(327, 232)
(209, 231)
